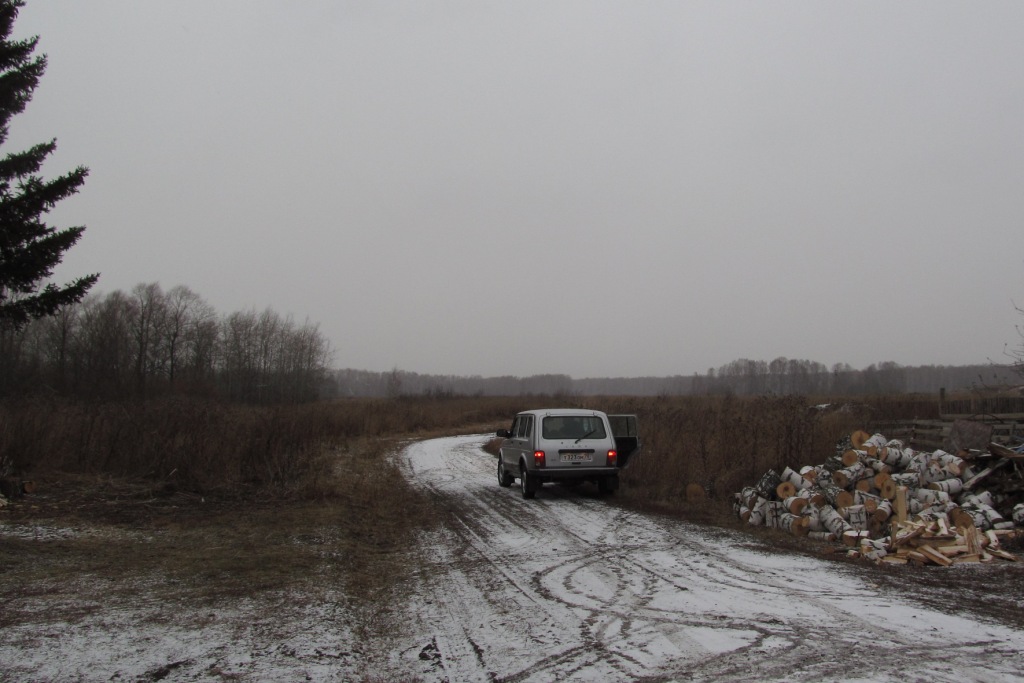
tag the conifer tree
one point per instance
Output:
(29, 248)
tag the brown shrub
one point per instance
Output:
(717, 442)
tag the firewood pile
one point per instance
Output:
(889, 503)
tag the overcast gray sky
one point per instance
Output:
(591, 188)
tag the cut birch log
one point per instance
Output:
(749, 496)
(869, 500)
(853, 537)
(950, 486)
(757, 512)
(930, 496)
(847, 477)
(883, 512)
(857, 517)
(852, 457)
(795, 504)
(766, 486)
(785, 490)
(798, 526)
(833, 521)
(979, 498)
(794, 478)
(908, 479)
(960, 518)
(835, 495)
(888, 488)
(877, 466)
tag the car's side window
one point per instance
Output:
(528, 426)
(516, 426)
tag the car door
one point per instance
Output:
(627, 438)
(514, 445)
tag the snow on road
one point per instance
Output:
(569, 587)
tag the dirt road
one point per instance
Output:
(567, 587)
(564, 587)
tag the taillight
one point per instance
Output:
(539, 458)
(613, 458)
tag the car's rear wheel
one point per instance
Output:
(526, 482)
(504, 478)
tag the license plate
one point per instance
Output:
(576, 457)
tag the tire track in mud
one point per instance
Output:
(569, 587)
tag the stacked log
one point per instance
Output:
(887, 502)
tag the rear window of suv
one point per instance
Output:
(573, 427)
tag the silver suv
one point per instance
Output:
(567, 445)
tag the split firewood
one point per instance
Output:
(934, 555)
(900, 504)
(953, 550)
(970, 483)
(1003, 554)
(969, 558)
(1004, 452)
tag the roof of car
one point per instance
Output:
(560, 411)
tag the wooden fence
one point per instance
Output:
(995, 408)
(953, 434)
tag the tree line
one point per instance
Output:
(149, 342)
(743, 377)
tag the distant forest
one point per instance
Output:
(148, 342)
(741, 377)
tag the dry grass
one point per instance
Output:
(113, 538)
(213, 448)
